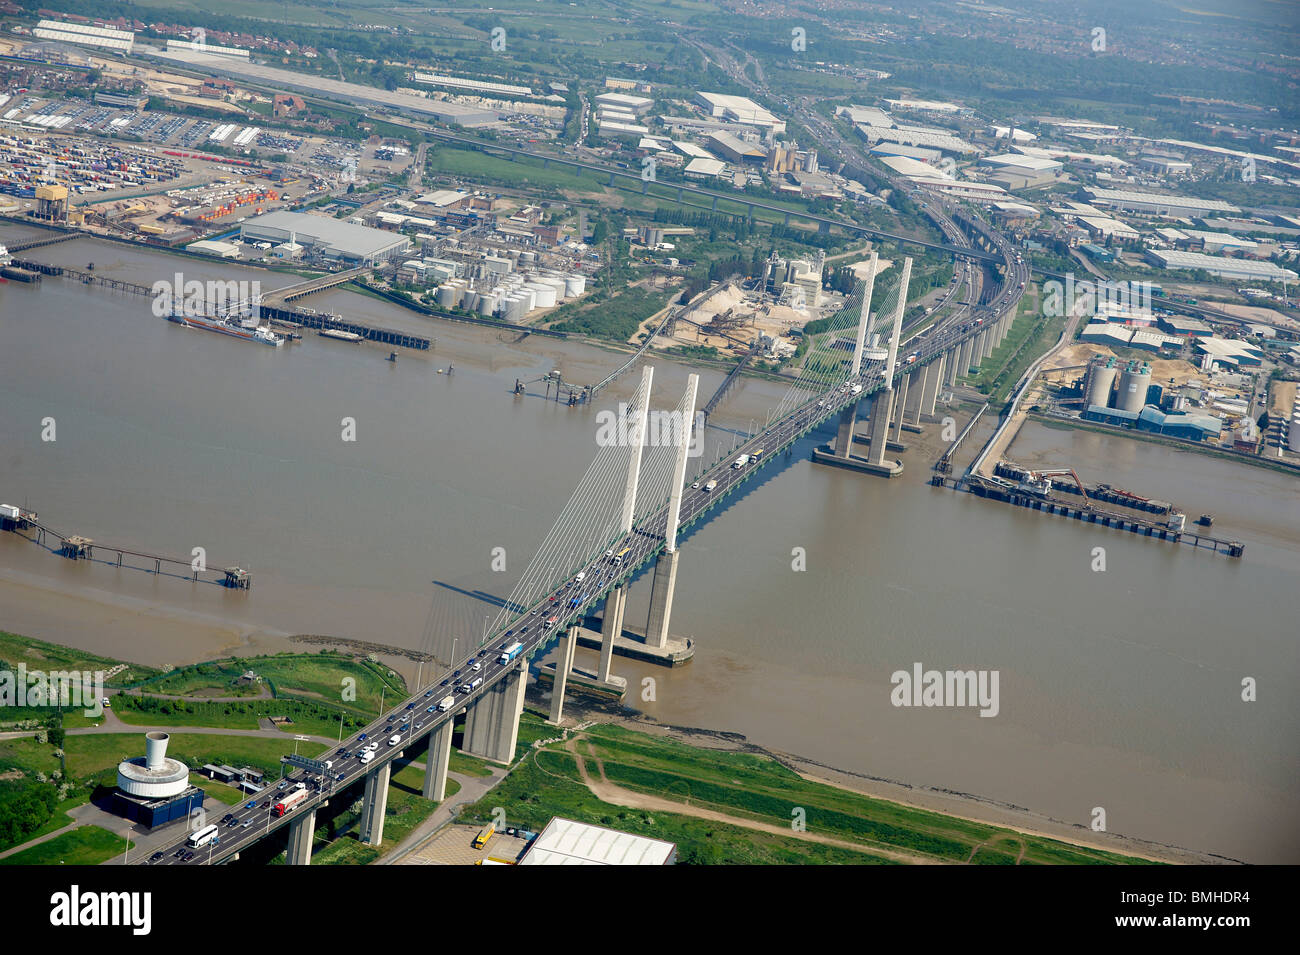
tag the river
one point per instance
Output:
(1119, 689)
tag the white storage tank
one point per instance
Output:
(489, 303)
(515, 308)
(1293, 435)
(445, 295)
(543, 294)
(574, 285)
(1101, 378)
(470, 300)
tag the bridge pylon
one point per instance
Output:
(665, 578)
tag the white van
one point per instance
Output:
(367, 756)
(394, 740)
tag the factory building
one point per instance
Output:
(734, 149)
(155, 789)
(1249, 269)
(739, 109)
(1189, 427)
(328, 238)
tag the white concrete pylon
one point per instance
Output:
(865, 317)
(679, 468)
(898, 319)
(640, 414)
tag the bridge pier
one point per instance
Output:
(611, 626)
(823, 227)
(963, 361)
(930, 387)
(951, 361)
(661, 599)
(492, 722)
(680, 194)
(986, 340)
(301, 831)
(375, 805)
(901, 405)
(844, 436)
(436, 762)
(715, 203)
(611, 180)
(563, 667)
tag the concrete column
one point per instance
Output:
(492, 721)
(563, 666)
(898, 322)
(679, 465)
(926, 375)
(375, 805)
(900, 404)
(864, 315)
(951, 360)
(881, 405)
(989, 344)
(963, 358)
(611, 627)
(933, 382)
(661, 599)
(435, 764)
(844, 437)
(639, 416)
(301, 831)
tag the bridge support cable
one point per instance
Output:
(593, 516)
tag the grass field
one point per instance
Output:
(1031, 334)
(753, 787)
(89, 756)
(39, 655)
(85, 845)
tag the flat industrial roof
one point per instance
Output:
(344, 237)
(565, 842)
(323, 86)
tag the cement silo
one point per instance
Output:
(1133, 384)
(1101, 379)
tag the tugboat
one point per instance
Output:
(1205, 520)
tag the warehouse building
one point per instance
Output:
(565, 842)
(1249, 269)
(1154, 203)
(1189, 427)
(739, 109)
(329, 238)
(735, 149)
(116, 41)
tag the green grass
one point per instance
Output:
(751, 786)
(39, 655)
(1030, 335)
(28, 755)
(89, 756)
(85, 845)
(219, 791)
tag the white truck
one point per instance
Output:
(446, 703)
(710, 486)
(740, 462)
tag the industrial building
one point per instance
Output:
(116, 41)
(739, 109)
(1154, 203)
(474, 86)
(1189, 427)
(622, 101)
(123, 100)
(565, 842)
(329, 238)
(195, 45)
(1227, 351)
(155, 789)
(734, 149)
(225, 66)
(1222, 266)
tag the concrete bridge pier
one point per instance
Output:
(900, 405)
(844, 437)
(375, 804)
(680, 194)
(301, 831)
(611, 626)
(563, 666)
(492, 722)
(963, 360)
(436, 762)
(951, 362)
(611, 180)
(882, 406)
(661, 599)
(934, 373)
(715, 203)
(986, 337)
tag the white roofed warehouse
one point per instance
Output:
(565, 842)
(329, 238)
